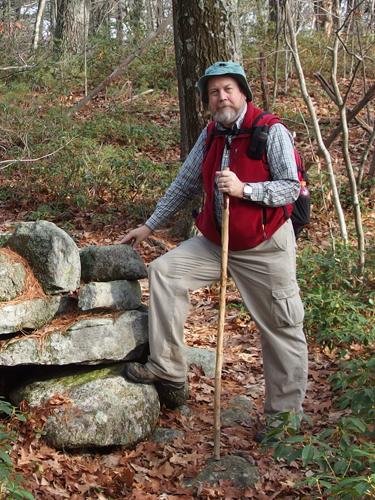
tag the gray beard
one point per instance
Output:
(226, 116)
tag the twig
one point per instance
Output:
(139, 95)
(370, 94)
(6, 163)
(121, 68)
(366, 152)
(25, 66)
(329, 91)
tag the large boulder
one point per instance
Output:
(89, 341)
(120, 295)
(12, 278)
(98, 408)
(51, 253)
(29, 314)
(111, 263)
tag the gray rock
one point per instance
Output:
(164, 435)
(101, 409)
(12, 278)
(230, 468)
(111, 263)
(30, 314)
(119, 295)
(203, 358)
(90, 341)
(51, 253)
(238, 412)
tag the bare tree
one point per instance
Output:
(38, 22)
(100, 11)
(318, 135)
(347, 160)
(323, 16)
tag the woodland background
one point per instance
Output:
(95, 118)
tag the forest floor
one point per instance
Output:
(156, 470)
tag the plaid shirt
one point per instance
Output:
(281, 190)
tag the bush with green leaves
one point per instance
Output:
(340, 460)
(10, 481)
(338, 301)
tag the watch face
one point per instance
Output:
(247, 190)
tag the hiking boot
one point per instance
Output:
(140, 374)
(171, 394)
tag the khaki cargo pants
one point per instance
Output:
(266, 278)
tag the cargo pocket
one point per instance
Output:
(287, 307)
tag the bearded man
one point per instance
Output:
(261, 257)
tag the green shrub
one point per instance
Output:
(10, 482)
(340, 460)
(338, 302)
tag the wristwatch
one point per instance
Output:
(247, 191)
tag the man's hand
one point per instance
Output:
(135, 236)
(228, 182)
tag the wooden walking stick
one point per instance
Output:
(220, 331)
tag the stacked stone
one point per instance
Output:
(82, 364)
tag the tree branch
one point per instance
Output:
(6, 163)
(370, 94)
(122, 67)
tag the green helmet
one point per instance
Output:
(224, 68)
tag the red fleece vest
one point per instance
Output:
(249, 223)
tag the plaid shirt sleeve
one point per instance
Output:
(284, 187)
(187, 183)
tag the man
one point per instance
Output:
(261, 258)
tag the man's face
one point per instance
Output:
(225, 99)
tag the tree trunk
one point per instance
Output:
(323, 16)
(52, 17)
(38, 22)
(204, 32)
(100, 16)
(120, 22)
(71, 29)
(273, 9)
(347, 160)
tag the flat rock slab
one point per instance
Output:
(229, 468)
(98, 408)
(29, 314)
(52, 254)
(12, 278)
(120, 295)
(111, 263)
(89, 341)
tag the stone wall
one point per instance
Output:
(69, 336)
(69, 320)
